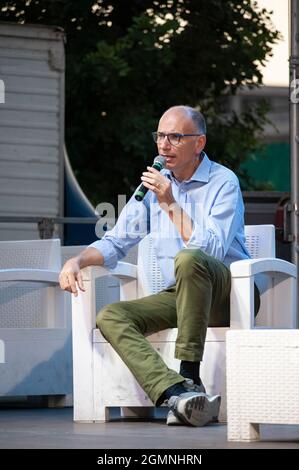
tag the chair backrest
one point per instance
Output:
(28, 304)
(30, 254)
(260, 242)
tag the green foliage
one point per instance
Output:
(129, 60)
(237, 138)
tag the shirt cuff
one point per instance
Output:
(107, 251)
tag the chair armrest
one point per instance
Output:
(83, 324)
(125, 272)
(122, 270)
(85, 302)
(250, 267)
(36, 275)
(279, 293)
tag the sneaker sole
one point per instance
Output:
(198, 410)
(172, 420)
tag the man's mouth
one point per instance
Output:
(168, 158)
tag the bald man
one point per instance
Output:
(195, 214)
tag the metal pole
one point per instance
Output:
(294, 130)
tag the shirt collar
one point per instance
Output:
(202, 172)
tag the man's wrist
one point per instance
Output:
(170, 207)
(79, 260)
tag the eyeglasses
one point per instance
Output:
(173, 137)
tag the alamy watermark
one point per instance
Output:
(2, 92)
(131, 221)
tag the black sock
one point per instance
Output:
(174, 390)
(190, 370)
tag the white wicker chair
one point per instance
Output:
(102, 380)
(262, 381)
(35, 329)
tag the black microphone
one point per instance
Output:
(159, 163)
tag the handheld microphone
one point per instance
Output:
(159, 163)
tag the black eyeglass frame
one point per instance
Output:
(177, 134)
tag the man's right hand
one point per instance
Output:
(69, 275)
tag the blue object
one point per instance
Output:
(76, 204)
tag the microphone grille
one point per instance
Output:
(161, 160)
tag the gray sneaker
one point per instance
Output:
(190, 386)
(194, 408)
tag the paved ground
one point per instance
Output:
(55, 429)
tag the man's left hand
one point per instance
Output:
(159, 184)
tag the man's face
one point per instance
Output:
(181, 159)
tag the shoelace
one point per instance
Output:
(171, 402)
(190, 386)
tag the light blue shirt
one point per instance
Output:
(211, 197)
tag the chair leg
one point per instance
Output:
(238, 430)
(250, 431)
(102, 414)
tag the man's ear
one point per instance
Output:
(201, 142)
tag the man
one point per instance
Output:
(194, 212)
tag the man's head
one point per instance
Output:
(182, 152)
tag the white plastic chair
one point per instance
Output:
(102, 380)
(262, 381)
(35, 329)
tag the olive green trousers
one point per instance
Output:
(200, 298)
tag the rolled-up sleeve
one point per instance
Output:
(131, 227)
(215, 231)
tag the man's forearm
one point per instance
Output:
(181, 220)
(90, 257)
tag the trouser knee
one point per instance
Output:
(189, 261)
(117, 317)
(106, 317)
